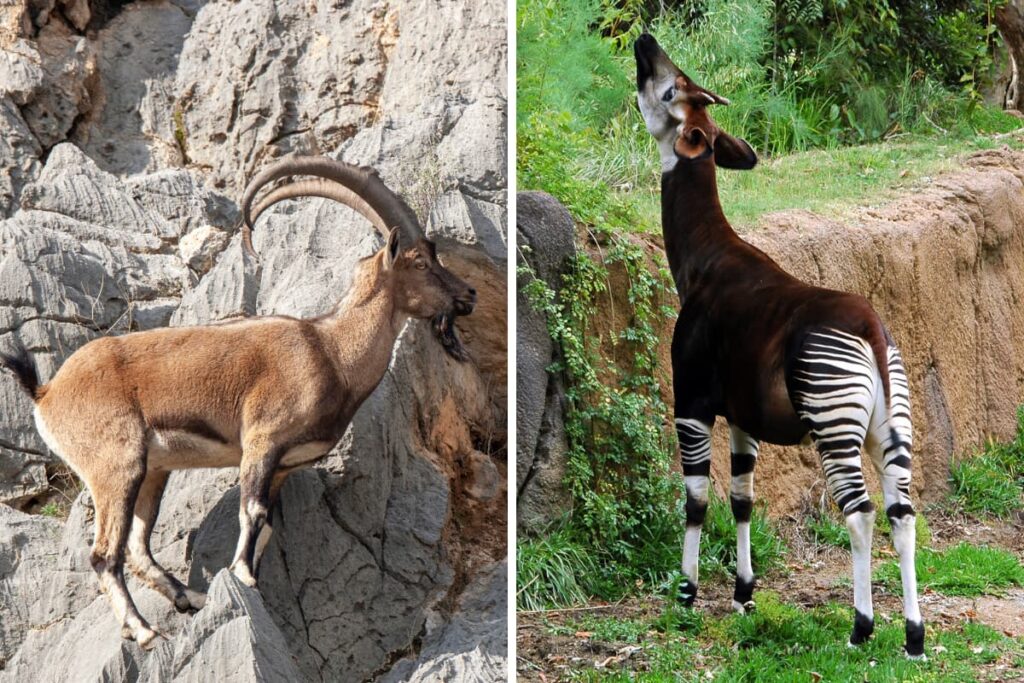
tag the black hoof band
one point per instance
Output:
(687, 593)
(744, 592)
(915, 638)
(863, 627)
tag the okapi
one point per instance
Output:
(777, 358)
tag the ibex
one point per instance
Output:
(777, 358)
(269, 394)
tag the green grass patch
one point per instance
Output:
(992, 482)
(964, 570)
(560, 569)
(783, 642)
(552, 571)
(718, 541)
(826, 528)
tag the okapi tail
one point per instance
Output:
(21, 364)
(880, 341)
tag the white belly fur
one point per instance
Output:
(305, 453)
(171, 449)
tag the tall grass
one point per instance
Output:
(992, 482)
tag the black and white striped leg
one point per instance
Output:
(743, 449)
(834, 385)
(695, 452)
(889, 442)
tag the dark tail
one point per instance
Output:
(24, 369)
(879, 339)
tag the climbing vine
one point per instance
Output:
(624, 498)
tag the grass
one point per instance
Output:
(582, 139)
(782, 642)
(827, 527)
(830, 183)
(558, 569)
(991, 483)
(51, 509)
(552, 571)
(965, 570)
(718, 541)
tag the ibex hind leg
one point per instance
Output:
(115, 501)
(140, 558)
(833, 383)
(889, 442)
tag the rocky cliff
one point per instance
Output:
(126, 133)
(944, 267)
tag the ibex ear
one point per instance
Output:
(391, 249)
(692, 144)
(733, 152)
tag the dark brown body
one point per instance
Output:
(743, 318)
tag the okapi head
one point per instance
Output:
(675, 111)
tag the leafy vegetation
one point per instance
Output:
(627, 520)
(788, 643)
(581, 138)
(992, 482)
(964, 569)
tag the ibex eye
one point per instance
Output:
(668, 95)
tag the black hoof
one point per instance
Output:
(915, 639)
(744, 592)
(687, 593)
(863, 627)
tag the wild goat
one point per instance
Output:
(777, 358)
(270, 394)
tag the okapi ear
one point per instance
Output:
(733, 152)
(692, 145)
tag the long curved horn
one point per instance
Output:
(357, 187)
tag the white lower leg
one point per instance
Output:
(743, 598)
(252, 515)
(861, 525)
(696, 506)
(261, 545)
(691, 553)
(904, 538)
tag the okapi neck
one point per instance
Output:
(692, 221)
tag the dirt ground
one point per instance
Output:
(815, 574)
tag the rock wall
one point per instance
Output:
(126, 133)
(944, 267)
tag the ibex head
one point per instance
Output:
(675, 111)
(423, 288)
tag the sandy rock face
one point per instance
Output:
(944, 268)
(387, 560)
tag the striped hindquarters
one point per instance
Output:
(834, 384)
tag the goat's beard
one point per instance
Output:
(444, 330)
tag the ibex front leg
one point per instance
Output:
(695, 452)
(741, 497)
(259, 460)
